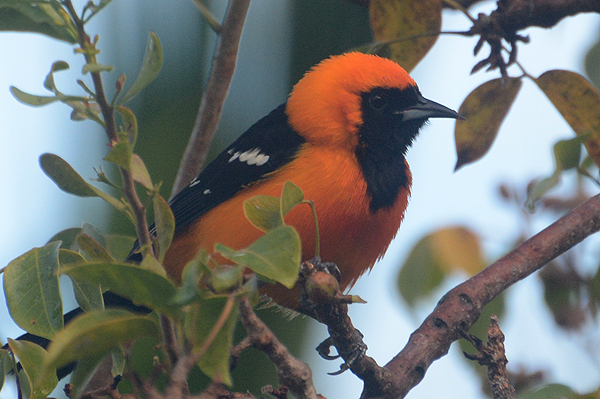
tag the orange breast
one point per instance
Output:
(351, 236)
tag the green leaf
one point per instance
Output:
(480, 328)
(67, 236)
(95, 8)
(395, 24)
(140, 173)
(291, 195)
(578, 102)
(264, 212)
(129, 123)
(541, 188)
(118, 246)
(118, 361)
(200, 325)
(150, 67)
(5, 367)
(592, 64)
(276, 255)
(65, 177)
(95, 334)
(82, 374)
(49, 81)
(31, 99)
(484, 110)
(88, 296)
(120, 154)
(93, 249)
(164, 223)
(49, 19)
(141, 286)
(190, 277)
(32, 291)
(567, 153)
(549, 391)
(32, 357)
(434, 257)
(150, 264)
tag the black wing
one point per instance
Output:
(265, 147)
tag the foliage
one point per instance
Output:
(97, 262)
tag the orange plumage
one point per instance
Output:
(341, 137)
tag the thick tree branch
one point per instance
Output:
(221, 73)
(515, 15)
(459, 309)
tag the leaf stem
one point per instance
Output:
(457, 6)
(311, 203)
(210, 19)
(216, 328)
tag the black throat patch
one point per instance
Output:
(383, 141)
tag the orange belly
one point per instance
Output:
(351, 236)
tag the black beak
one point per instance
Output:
(425, 109)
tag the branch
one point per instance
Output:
(108, 115)
(460, 307)
(221, 73)
(515, 15)
(493, 356)
(457, 310)
(292, 373)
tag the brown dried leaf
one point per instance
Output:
(396, 20)
(578, 102)
(484, 110)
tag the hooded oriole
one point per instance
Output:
(341, 137)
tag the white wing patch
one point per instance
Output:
(194, 182)
(251, 157)
(207, 191)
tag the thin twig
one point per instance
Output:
(292, 373)
(215, 93)
(493, 356)
(88, 50)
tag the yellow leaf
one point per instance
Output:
(396, 22)
(457, 248)
(484, 110)
(578, 102)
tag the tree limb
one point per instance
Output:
(460, 307)
(221, 73)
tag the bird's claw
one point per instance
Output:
(327, 267)
(324, 350)
(357, 351)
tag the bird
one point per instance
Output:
(341, 136)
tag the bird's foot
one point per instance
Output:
(352, 355)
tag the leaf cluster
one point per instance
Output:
(203, 309)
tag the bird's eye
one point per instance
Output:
(377, 102)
